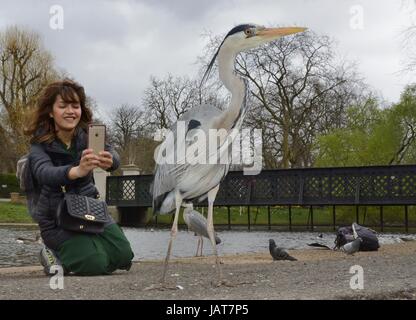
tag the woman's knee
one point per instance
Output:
(122, 257)
(126, 256)
(94, 264)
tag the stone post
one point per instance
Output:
(130, 170)
(15, 197)
(100, 177)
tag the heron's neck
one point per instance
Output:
(234, 83)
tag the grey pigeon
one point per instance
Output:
(279, 253)
(352, 247)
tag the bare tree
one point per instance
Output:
(298, 89)
(25, 68)
(409, 36)
(403, 117)
(127, 124)
(129, 133)
(167, 100)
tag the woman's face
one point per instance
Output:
(66, 114)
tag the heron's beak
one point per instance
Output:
(274, 33)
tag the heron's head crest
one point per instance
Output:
(249, 36)
(236, 29)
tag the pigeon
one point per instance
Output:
(279, 253)
(352, 247)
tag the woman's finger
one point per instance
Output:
(105, 154)
(108, 162)
(93, 165)
(87, 151)
(91, 157)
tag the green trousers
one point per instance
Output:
(89, 254)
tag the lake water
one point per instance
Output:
(152, 244)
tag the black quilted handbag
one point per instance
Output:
(82, 214)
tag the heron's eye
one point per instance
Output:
(249, 32)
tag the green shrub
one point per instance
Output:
(11, 185)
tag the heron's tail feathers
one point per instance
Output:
(165, 203)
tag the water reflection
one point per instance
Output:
(152, 244)
(149, 244)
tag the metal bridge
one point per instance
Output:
(346, 186)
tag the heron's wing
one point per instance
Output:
(203, 113)
(163, 183)
(168, 169)
(172, 171)
(192, 181)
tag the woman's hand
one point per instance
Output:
(106, 160)
(89, 161)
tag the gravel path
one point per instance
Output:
(318, 274)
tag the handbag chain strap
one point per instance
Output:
(63, 189)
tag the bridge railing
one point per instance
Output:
(374, 185)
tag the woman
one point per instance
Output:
(59, 158)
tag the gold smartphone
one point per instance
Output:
(96, 137)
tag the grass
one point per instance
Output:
(392, 215)
(14, 213)
(301, 215)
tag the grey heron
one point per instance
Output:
(197, 223)
(184, 181)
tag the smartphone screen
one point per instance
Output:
(96, 137)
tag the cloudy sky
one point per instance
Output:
(113, 47)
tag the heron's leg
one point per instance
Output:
(197, 246)
(202, 244)
(211, 198)
(173, 232)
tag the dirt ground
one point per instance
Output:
(389, 273)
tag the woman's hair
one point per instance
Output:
(42, 126)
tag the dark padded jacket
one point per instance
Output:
(49, 165)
